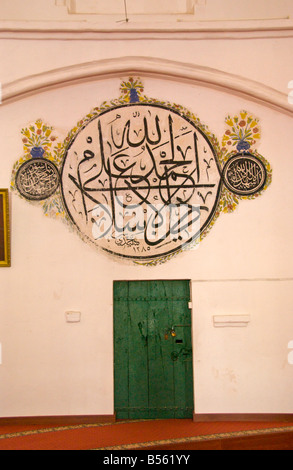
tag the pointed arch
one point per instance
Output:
(147, 66)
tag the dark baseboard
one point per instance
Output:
(260, 417)
(274, 441)
(95, 419)
(56, 420)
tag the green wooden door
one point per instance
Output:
(153, 374)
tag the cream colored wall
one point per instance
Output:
(138, 10)
(244, 266)
(267, 60)
(243, 369)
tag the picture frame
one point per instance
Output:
(5, 255)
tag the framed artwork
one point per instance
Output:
(4, 229)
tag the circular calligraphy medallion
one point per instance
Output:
(244, 174)
(37, 179)
(140, 180)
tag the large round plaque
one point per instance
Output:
(140, 180)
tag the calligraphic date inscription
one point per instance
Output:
(37, 179)
(244, 174)
(140, 180)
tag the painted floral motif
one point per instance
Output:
(131, 90)
(40, 142)
(242, 133)
(38, 139)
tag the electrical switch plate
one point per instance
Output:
(72, 317)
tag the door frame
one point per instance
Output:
(191, 330)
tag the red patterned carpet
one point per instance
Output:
(133, 435)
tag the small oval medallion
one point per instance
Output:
(244, 174)
(37, 179)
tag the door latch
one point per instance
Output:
(170, 331)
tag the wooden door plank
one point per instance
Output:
(183, 370)
(161, 393)
(138, 365)
(121, 350)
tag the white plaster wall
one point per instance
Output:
(206, 10)
(243, 369)
(244, 265)
(265, 60)
(51, 367)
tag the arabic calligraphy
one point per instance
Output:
(37, 179)
(244, 174)
(140, 180)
